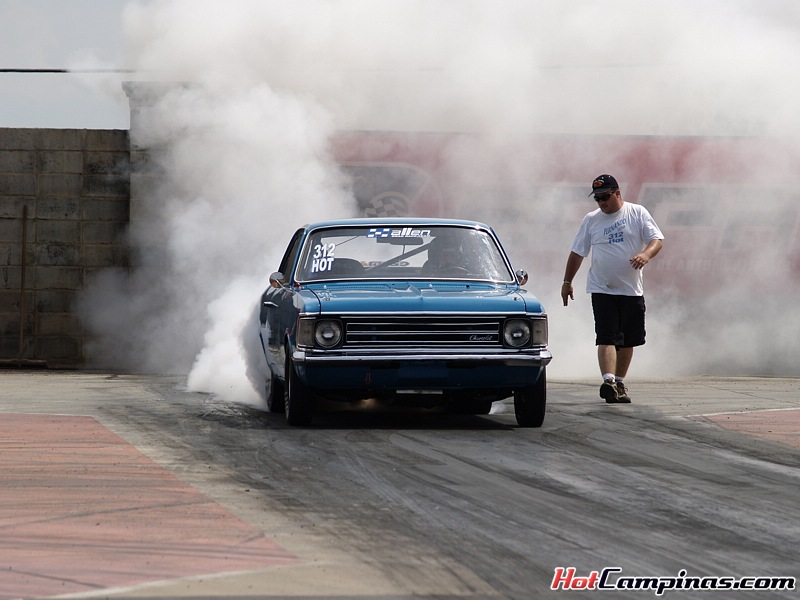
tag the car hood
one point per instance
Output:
(423, 297)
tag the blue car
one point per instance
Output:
(422, 312)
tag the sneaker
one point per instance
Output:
(622, 393)
(608, 391)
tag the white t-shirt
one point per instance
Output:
(613, 240)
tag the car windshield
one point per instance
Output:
(402, 252)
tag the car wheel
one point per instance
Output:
(530, 402)
(274, 391)
(298, 401)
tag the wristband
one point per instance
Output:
(567, 283)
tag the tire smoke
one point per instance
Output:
(239, 155)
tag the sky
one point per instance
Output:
(246, 157)
(62, 34)
(685, 68)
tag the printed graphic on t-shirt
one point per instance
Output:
(616, 233)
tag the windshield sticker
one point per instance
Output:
(407, 232)
(322, 260)
(378, 263)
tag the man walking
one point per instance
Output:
(622, 238)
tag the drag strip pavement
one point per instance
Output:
(396, 504)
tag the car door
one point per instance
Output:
(277, 309)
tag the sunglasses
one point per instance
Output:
(603, 197)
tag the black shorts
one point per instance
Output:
(618, 320)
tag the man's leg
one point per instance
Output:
(607, 357)
(608, 335)
(624, 356)
(634, 333)
(622, 362)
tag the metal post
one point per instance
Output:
(24, 245)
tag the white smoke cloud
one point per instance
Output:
(234, 172)
(241, 150)
(612, 66)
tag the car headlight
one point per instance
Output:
(517, 333)
(328, 334)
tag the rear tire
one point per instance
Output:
(298, 400)
(530, 402)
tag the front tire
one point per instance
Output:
(298, 400)
(275, 394)
(530, 402)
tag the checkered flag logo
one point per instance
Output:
(379, 232)
(388, 204)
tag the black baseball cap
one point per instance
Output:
(603, 184)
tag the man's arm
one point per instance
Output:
(574, 262)
(644, 257)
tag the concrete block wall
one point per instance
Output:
(64, 211)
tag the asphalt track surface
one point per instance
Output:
(123, 486)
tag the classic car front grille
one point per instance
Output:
(386, 332)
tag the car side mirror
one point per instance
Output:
(276, 279)
(522, 277)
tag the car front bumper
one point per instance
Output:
(420, 370)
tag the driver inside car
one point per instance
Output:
(445, 256)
